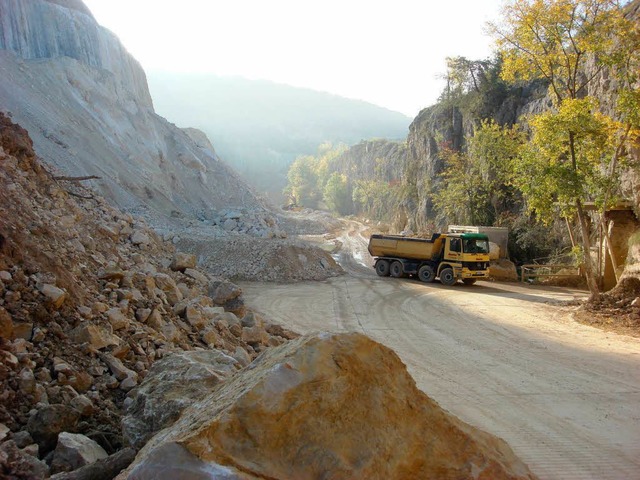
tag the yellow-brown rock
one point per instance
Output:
(325, 406)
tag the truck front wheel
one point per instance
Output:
(396, 269)
(468, 281)
(447, 277)
(382, 268)
(426, 273)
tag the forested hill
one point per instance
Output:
(260, 127)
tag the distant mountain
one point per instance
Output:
(260, 127)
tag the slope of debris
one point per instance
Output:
(617, 310)
(89, 299)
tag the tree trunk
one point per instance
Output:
(586, 245)
(584, 228)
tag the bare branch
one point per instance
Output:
(77, 179)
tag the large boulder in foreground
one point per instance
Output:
(323, 406)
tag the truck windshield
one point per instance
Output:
(474, 245)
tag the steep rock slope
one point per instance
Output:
(86, 104)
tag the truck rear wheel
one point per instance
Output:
(447, 277)
(396, 269)
(382, 268)
(426, 274)
(468, 281)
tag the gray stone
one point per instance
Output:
(117, 367)
(74, 451)
(196, 275)
(56, 296)
(83, 405)
(48, 422)
(172, 384)
(26, 381)
(12, 459)
(117, 319)
(94, 335)
(4, 431)
(22, 438)
(222, 291)
(183, 261)
(242, 356)
(140, 238)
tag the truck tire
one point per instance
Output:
(468, 281)
(382, 268)
(447, 277)
(426, 274)
(396, 269)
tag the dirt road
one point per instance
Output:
(503, 357)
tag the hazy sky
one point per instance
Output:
(385, 52)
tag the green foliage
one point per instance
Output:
(474, 87)
(530, 239)
(552, 39)
(303, 182)
(312, 179)
(565, 160)
(336, 194)
(475, 185)
(376, 199)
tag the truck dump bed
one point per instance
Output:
(403, 247)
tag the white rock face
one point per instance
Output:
(41, 29)
(85, 102)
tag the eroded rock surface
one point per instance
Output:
(325, 406)
(172, 384)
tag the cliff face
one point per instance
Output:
(85, 102)
(382, 159)
(43, 29)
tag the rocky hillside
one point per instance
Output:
(90, 298)
(84, 99)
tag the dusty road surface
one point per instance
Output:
(503, 357)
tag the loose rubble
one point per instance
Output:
(90, 299)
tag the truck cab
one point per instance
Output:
(468, 255)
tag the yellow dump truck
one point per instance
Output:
(449, 256)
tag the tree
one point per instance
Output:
(303, 182)
(555, 40)
(475, 184)
(336, 194)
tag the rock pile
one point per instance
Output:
(321, 406)
(256, 259)
(90, 299)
